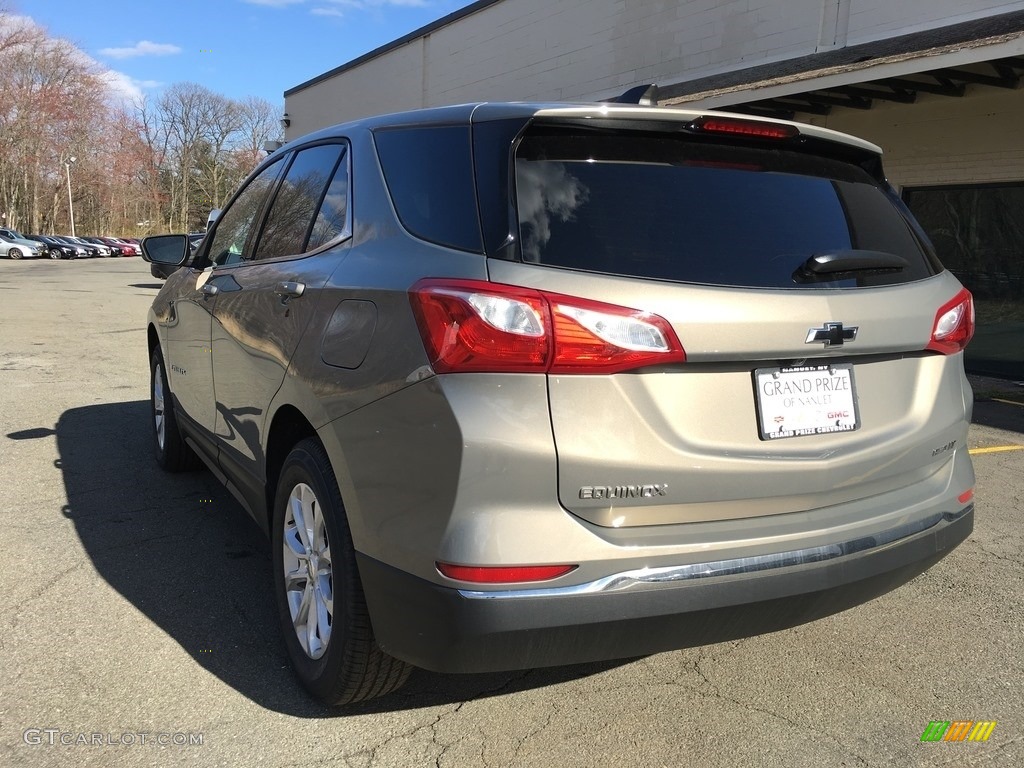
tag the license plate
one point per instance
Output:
(808, 400)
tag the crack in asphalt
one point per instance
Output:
(977, 758)
(1006, 558)
(433, 724)
(534, 732)
(717, 694)
(42, 590)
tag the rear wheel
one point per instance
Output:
(319, 595)
(172, 452)
(14, 253)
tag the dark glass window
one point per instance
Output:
(332, 219)
(297, 201)
(978, 233)
(670, 208)
(232, 235)
(429, 173)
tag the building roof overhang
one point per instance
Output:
(987, 52)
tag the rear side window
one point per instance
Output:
(671, 208)
(429, 173)
(332, 219)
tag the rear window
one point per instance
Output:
(673, 208)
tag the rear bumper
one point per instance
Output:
(446, 629)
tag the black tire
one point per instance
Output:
(54, 254)
(14, 253)
(172, 453)
(352, 667)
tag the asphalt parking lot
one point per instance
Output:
(138, 609)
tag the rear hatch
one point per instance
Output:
(804, 297)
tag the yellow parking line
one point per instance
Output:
(996, 449)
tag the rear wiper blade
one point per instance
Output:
(831, 265)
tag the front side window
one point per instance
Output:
(297, 202)
(234, 230)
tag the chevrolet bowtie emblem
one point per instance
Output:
(832, 335)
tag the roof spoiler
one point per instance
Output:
(644, 95)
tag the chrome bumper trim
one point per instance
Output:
(740, 565)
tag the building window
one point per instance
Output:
(978, 233)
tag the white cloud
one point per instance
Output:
(122, 86)
(274, 3)
(327, 12)
(363, 4)
(141, 48)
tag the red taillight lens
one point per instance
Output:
(591, 337)
(966, 496)
(470, 325)
(954, 324)
(739, 127)
(503, 574)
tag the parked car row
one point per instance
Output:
(15, 245)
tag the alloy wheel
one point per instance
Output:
(158, 405)
(308, 574)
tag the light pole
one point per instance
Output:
(71, 205)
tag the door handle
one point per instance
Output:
(289, 290)
(210, 290)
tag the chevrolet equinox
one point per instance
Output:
(519, 385)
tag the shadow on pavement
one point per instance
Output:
(1000, 415)
(185, 554)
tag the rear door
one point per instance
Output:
(266, 299)
(804, 300)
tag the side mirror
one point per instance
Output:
(171, 250)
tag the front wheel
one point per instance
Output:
(172, 452)
(14, 253)
(320, 600)
(55, 254)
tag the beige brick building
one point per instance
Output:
(935, 83)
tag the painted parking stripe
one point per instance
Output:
(996, 449)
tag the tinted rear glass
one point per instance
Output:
(672, 208)
(429, 173)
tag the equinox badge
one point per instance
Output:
(833, 335)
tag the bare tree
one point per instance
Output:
(159, 165)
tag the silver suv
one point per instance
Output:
(517, 385)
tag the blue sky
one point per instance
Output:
(235, 47)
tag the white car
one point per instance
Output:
(103, 248)
(15, 250)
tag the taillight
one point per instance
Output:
(954, 324)
(470, 325)
(739, 127)
(466, 328)
(603, 338)
(486, 574)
